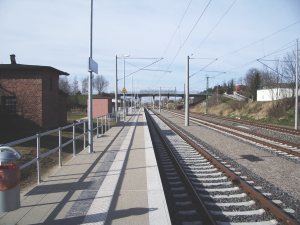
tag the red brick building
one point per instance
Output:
(32, 93)
(101, 106)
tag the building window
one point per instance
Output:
(9, 104)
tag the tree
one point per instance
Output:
(100, 84)
(253, 82)
(64, 85)
(75, 87)
(289, 67)
(289, 70)
(230, 87)
(85, 85)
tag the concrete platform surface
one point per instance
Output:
(117, 184)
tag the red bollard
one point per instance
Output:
(9, 180)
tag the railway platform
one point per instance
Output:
(117, 184)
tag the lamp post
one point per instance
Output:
(116, 90)
(124, 90)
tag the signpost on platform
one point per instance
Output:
(93, 67)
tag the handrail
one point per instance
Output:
(20, 141)
(103, 122)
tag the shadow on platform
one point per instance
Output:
(99, 217)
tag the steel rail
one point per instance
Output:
(254, 139)
(295, 153)
(253, 193)
(242, 121)
(208, 218)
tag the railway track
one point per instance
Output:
(280, 147)
(249, 123)
(221, 193)
(265, 126)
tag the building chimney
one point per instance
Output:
(13, 59)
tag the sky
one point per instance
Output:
(225, 36)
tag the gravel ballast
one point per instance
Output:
(274, 174)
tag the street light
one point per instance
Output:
(116, 87)
(124, 89)
(116, 90)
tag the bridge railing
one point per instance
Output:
(73, 132)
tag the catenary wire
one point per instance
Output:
(187, 37)
(215, 26)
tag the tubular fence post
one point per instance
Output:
(97, 127)
(101, 121)
(38, 166)
(116, 112)
(117, 118)
(59, 147)
(114, 116)
(74, 140)
(105, 121)
(108, 122)
(84, 134)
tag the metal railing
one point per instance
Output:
(103, 124)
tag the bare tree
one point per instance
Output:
(100, 84)
(85, 85)
(289, 70)
(64, 85)
(75, 87)
(230, 87)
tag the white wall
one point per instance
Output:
(274, 94)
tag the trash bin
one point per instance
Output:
(9, 179)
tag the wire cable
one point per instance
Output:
(177, 28)
(261, 39)
(193, 74)
(187, 37)
(215, 26)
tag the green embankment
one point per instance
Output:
(277, 112)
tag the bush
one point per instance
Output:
(77, 101)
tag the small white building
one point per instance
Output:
(266, 95)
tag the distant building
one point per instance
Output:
(101, 106)
(272, 94)
(240, 88)
(31, 92)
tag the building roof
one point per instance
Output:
(30, 67)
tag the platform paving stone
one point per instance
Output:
(117, 184)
